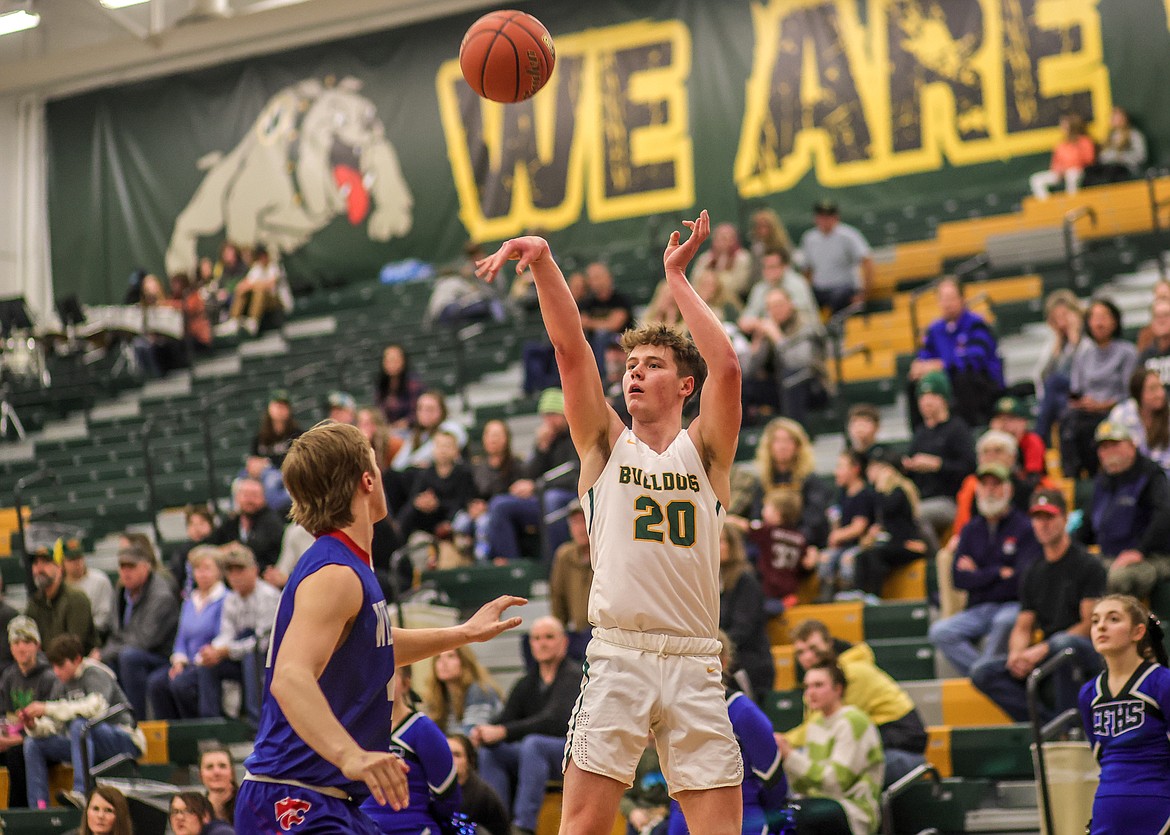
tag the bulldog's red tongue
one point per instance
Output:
(357, 199)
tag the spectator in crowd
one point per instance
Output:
(870, 689)
(431, 779)
(430, 415)
(156, 352)
(398, 388)
(605, 311)
(1011, 415)
(278, 429)
(56, 607)
(861, 427)
(995, 447)
(29, 679)
(1123, 154)
(7, 613)
(238, 650)
(185, 297)
(784, 457)
(200, 524)
(837, 259)
(439, 492)
(1128, 516)
(728, 259)
(146, 619)
(217, 775)
(384, 442)
(461, 693)
(526, 744)
(191, 814)
(764, 789)
(767, 234)
(663, 309)
(1057, 595)
(941, 452)
(106, 813)
(786, 368)
(258, 292)
(1146, 414)
(849, 518)
(713, 290)
(784, 558)
(293, 544)
(493, 473)
(175, 692)
(1100, 373)
(519, 509)
(275, 495)
(961, 345)
(84, 689)
(254, 523)
(646, 804)
(741, 613)
(480, 803)
(1072, 155)
(342, 407)
(775, 271)
(571, 577)
(229, 270)
(134, 539)
(994, 550)
(1155, 355)
(842, 760)
(1066, 319)
(895, 537)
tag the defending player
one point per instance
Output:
(324, 737)
(654, 498)
(1126, 713)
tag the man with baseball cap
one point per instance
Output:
(1129, 513)
(837, 259)
(29, 679)
(57, 607)
(1057, 595)
(1012, 415)
(995, 548)
(95, 584)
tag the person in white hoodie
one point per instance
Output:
(84, 689)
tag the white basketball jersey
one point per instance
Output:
(654, 527)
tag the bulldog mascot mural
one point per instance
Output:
(318, 150)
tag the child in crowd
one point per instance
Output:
(785, 556)
(849, 519)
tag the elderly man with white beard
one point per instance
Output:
(994, 550)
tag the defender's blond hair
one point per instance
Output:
(321, 473)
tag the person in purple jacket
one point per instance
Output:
(994, 550)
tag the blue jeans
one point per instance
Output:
(105, 741)
(956, 637)
(211, 681)
(1010, 693)
(510, 514)
(1053, 405)
(134, 667)
(524, 767)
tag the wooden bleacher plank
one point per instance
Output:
(965, 705)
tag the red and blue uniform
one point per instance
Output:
(1128, 732)
(290, 787)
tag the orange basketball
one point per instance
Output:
(507, 56)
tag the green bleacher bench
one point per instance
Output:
(943, 805)
(12, 568)
(184, 736)
(39, 821)
(997, 753)
(784, 708)
(905, 659)
(471, 587)
(895, 620)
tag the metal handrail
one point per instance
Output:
(1156, 207)
(109, 713)
(899, 787)
(18, 502)
(1070, 219)
(1035, 678)
(541, 483)
(972, 264)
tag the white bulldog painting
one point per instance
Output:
(318, 150)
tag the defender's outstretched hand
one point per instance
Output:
(678, 255)
(525, 250)
(486, 623)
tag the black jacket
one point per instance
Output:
(533, 708)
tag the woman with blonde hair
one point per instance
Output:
(461, 693)
(767, 234)
(741, 612)
(784, 457)
(1064, 314)
(895, 538)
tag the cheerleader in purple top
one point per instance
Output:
(1125, 711)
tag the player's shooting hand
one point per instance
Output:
(384, 773)
(679, 253)
(486, 623)
(527, 250)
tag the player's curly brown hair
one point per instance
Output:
(686, 355)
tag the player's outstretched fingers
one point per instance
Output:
(486, 624)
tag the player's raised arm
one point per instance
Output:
(591, 420)
(720, 409)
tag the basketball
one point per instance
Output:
(507, 56)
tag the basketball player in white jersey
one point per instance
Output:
(654, 500)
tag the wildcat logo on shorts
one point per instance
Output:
(290, 812)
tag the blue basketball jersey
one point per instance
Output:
(434, 789)
(1128, 732)
(356, 681)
